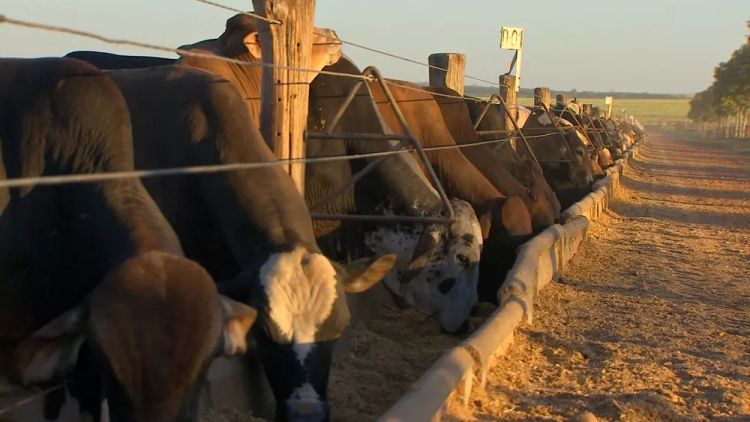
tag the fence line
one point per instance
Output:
(353, 44)
(182, 52)
(210, 56)
(188, 170)
(232, 9)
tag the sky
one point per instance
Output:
(664, 46)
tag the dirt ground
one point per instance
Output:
(650, 321)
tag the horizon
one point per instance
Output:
(668, 48)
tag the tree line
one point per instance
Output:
(721, 111)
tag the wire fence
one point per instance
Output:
(192, 170)
(346, 42)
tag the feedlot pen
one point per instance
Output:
(651, 320)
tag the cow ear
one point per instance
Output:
(238, 318)
(364, 273)
(52, 351)
(252, 42)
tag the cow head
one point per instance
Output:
(302, 311)
(438, 266)
(242, 34)
(150, 328)
(582, 165)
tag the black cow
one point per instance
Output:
(108, 61)
(92, 273)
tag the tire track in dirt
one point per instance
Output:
(650, 321)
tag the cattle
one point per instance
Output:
(535, 192)
(438, 265)
(571, 112)
(251, 229)
(94, 283)
(564, 157)
(505, 220)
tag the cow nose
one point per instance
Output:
(446, 285)
(307, 411)
(462, 329)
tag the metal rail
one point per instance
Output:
(408, 139)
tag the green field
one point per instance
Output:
(648, 111)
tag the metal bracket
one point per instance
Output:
(407, 142)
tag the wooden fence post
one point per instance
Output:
(453, 76)
(542, 97)
(284, 93)
(587, 109)
(562, 99)
(508, 94)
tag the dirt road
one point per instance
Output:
(652, 318)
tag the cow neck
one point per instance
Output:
(123, 204)
(460, 178)
(456, 116)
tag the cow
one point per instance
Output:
(565, 157)
(438, 265)
(251, 229)
(505, 220)
(94, 283)
(535, 192)
(571, 112)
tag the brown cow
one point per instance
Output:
(535, 192)
(92, 273)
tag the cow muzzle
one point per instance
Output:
(307, 410)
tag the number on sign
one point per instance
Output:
(511, 38)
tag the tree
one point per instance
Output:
(727, 101)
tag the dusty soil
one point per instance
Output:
(650, 321)
(387, 355)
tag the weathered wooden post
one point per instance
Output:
(561, 99)
(286, 41)
(453, 75)
(587, 109)
(542, 97)
(508, 94)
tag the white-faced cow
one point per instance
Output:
(505, 220)
(94, 285)
(251, 228)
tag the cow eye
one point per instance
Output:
(463, 260)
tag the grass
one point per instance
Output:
(648, 111)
